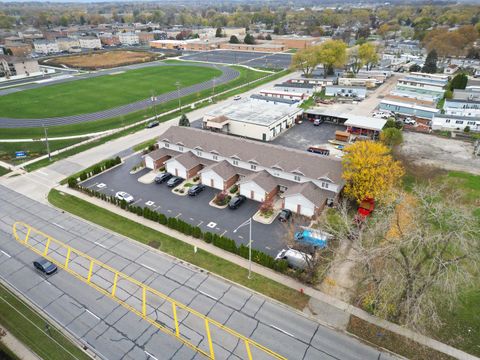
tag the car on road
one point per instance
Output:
(284, 215)
(161, 178)
(409, 121)
(236, 201)
(174, 181)
(122, 195)
(317, 122)
(45, 266)
(152, 124)
(196, 189)
(237, 97)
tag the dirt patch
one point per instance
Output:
(424, 150)
(103, 60)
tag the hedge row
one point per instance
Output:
(191, 230)
(93, 170)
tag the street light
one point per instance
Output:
(248, 222)
(177, 84)
(46, 140)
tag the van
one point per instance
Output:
(295, 259)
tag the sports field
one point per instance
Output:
(101, 93)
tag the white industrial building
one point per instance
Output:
(303, 181)
(46, 47)
(262, 118)
(455, 122)
(128, 38)
(90, 42)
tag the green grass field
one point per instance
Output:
(33, 148)
(246, 75)
(177, 248)
(101, 93)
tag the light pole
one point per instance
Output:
(154, 99)
(248, 222)
(177, 84)
(46, 141)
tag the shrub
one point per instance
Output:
(467, 129)
(266, 209)
(72, 182)
(221, 199)
(234, 189)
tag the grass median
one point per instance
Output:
(176, 248)
(30, 328)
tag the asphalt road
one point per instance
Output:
(115, 333)
(194, 210)
(228, 74)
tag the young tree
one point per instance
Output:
(430, 65)
(370, 171)
(368, 55)
(249, 39)
(184, 121)
(459, 82)
(305, 60)
(415, 68)
(268, 37)
(219, 32)
(234, 40)
(331, 53)
(391, 136)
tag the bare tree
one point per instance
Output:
(411, 251)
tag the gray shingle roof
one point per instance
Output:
(290, 160)
(224, 169)
(310, 191)
(263, 179)
(160, 153)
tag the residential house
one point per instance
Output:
(357, 92)
(128, 38)
(46, 47)
(90, 42)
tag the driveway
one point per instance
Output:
(194, 210)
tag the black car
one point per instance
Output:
(284, 215)
(196, 189)
(160, 178)
(174, 181)
(236, 201)
(45, 266)
(152, 124)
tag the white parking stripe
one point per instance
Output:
(150, 355)
(281, 330)
(179, 214)
(208, 295)
(95, 316)
(148, 267)
(60, 226)
(4, 253)
(101, 245)
(200, 223)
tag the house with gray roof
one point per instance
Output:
(262, 170)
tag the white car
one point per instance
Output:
(382, 114)
(409, 121)
(122, 195)
(237, 97)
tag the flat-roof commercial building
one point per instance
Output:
(252, 118)
(357, 92)
(296, 42)
(12, 67)
(364, 126)
(409, 109)
(263, 47)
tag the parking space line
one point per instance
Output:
(158, 207)
(137, 201)
(4, 253)
(91, 185)
(240, 236)
(169, 210)
(200, 223)
(178, 215)
(191, 219)
(60, 226)
(224, 232)
(95, 316)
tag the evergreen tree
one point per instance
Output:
(219, 32)
(459, 82)
(234, 40)
(431, 62)
(249, 39)
(184, 121)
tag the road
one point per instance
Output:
(228, 74)
(116, 333)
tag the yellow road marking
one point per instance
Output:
(210, 353)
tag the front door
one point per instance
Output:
(299, 208)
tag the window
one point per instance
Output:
(215, 157)
(235, 162)
(324, 184)
(447, 121)
(459, 122)
(471, 123)
(253, 167)
(297, 178)
(167, 145)
(180, 148)
(199, 153)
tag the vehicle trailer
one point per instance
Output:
(314, 237)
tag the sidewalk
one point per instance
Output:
(335, 312)
(18, 348)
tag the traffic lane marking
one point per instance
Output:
(281, 330)
(91, 313)
(4, 253)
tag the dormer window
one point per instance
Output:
(167, 145)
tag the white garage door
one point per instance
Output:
(252, 191)
(212, 179)
(299, 204)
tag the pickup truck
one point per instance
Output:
(314, 237)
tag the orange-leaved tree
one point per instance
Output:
(370, 171)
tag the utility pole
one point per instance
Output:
(177, 84)
(46, 140)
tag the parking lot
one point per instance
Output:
(194, 210)
(250, 58)
(303, 135)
